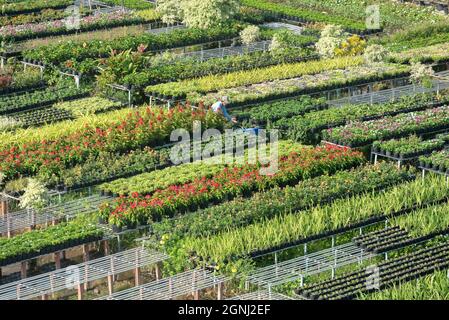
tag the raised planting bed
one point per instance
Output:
(40, 117)
(437, 161)
(39, 242)
(432, 287)
(13, 79)
(427, 222)
(405, 268)
(197, 87)
(307, 128)
(155, 70)
(131, 4)
(277, 202)
(140, 128)
(350, 14)
(172, 175)
(106, 167)
(281, 11)
(18, 89)
(45, 15)
(40, 98)
(359, 134)
(70, 109)
(431, 54)
(383, 240)
(227, 184)
(270, 112)
(59, 27)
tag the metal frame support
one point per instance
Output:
(57, 257)
(80, 289)
(76, 77)
(23, 269)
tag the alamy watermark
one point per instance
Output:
(231, 147)
(72, 278)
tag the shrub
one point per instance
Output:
(352, 46)
(170, 10)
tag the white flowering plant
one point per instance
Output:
(35, 195)
(421, 74)
(204, 14)
(375, 53)
(250, 35)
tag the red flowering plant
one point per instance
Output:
(230, 183)
(150, 127)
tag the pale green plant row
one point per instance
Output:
(301, 225)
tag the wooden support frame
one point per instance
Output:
(52, 281)
(107, 247)
(32, 212)
(8, 225)
(3, 207)
(111, 277)
(110, 284)
(170, 287)
(80, 291)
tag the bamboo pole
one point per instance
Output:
(86, 258)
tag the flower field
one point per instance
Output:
(224, 149)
